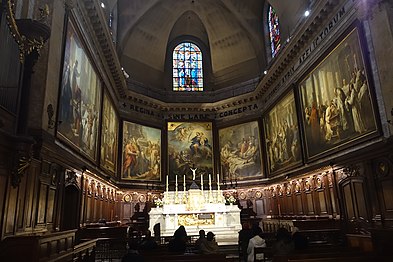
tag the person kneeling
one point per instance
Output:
(209, 246)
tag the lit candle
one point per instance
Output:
(167, 183)
(176, 182)
(201, 181)
(210, 179)
(184, 182)
(218, 181)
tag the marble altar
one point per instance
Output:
(197, 209)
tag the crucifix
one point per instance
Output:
(193, 172)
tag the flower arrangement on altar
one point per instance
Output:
(158, 202)
(230, 200)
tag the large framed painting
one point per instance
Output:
(336, 102)
(240, 151)
(109, 135)
(190, 145)
(80, 97)
(141, 152)
(281, 130)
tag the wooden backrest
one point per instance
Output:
(261, 253)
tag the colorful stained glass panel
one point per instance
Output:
(187, 68)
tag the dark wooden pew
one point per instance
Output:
(184, 257)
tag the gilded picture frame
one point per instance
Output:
(141, 154)
(190, 145)
(281, 135)
(336, 103)
(240, 152)
(109, 136)
(80, 97)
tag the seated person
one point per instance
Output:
(300, 242)
(179, 242)
(244, 236)
(284, 244)
(210, 246)
(255, 241)
(201, 239)
(148, 242)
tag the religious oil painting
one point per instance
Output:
(190, 145)
(109, 136)
(240, 154)
(80, 96)
(336, 99)
(282, 135)
(141, 152)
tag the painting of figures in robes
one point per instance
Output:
(109, 135)
(80, 97)
(190, 145)
(240, 154)
(282, 135)
(336, 99)
(141, 152)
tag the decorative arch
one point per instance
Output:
(187, 67)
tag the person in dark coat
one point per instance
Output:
(244, 236)
(179, 242)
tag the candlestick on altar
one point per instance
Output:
(218, 182)
(167, 184)
(210, 182)
(202, 182)
(176, 193)
(184, 183)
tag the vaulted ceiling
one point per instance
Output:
(233, 34)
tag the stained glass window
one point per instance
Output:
(187, 68)
(274, 31)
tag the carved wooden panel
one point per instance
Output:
(348, 201)
(43, 190)
(10, 216)
(387, 193)
(310, 204)
(51, 205)
(322, 202)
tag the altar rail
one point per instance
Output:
(111, 241)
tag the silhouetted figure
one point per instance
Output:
(299, 240)
(137, 208)
(132, 254)
(201, 239)
(148, 243)
(157, 232)
(283, 244)
(244, 236)
(179, 242)
(209, 246)
(255, 241)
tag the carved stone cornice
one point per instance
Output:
(97, 20)
(279, 67)
(291, 51)
(270, 85)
